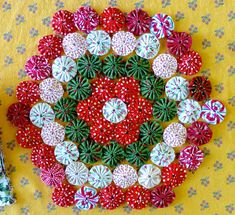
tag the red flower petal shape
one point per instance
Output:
(90, 109)
(127, 89)
(103, 89)
(138, 197)
(140, 111)
(127, 132)
(101, 131)
(162, 196)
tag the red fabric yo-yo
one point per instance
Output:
(50, 47)
(179, 43)
(189, 63)
(62, 22)
(138, 22)
(29, 136)
(162, 196)
(137, 197)
(27, 92)
(173, 175)
(111, 197)
(199, 133)
(42, 156)
(64, 195)
(112, 20)
(18, 114)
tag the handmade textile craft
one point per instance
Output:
(81, 108)
(6, 194)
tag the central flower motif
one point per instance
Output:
(115, 110)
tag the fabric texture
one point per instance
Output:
(211, 24)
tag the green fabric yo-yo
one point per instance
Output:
(90, 151)
(164, 109)
(113, 154)
(137, 67)
(137, 153)
(151, 133)
(89, 65)
(152, 87)
(79, 88)
(77, 131)
(114, 66)
(65, 109)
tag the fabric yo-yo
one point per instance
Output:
(175, 135)
(199, 133)
(191, 157)
(98, 42)
(86, 197)
(123, 43)
(149, 176)
(112, 20)
(213, 111)
(147, 46)
(100, 176)
(189, 63)
(38, 68)
(164, 65)
(53, 133)
(162, 196)
(62, 22)
(137, 197)
(200, 88)
(41, 114)
(138, 22)
(162, 25)
(162, 155)
(50, 46)
(51, 90)
(86, 19)
(177, 88)
(74, 45)
(27, 92)
(124, 176)
(66, 152)
(76, 173)
(189, 111)
(179, 43)
(111, 197)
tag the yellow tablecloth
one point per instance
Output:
(211, 189)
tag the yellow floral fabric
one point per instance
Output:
(210, 190)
